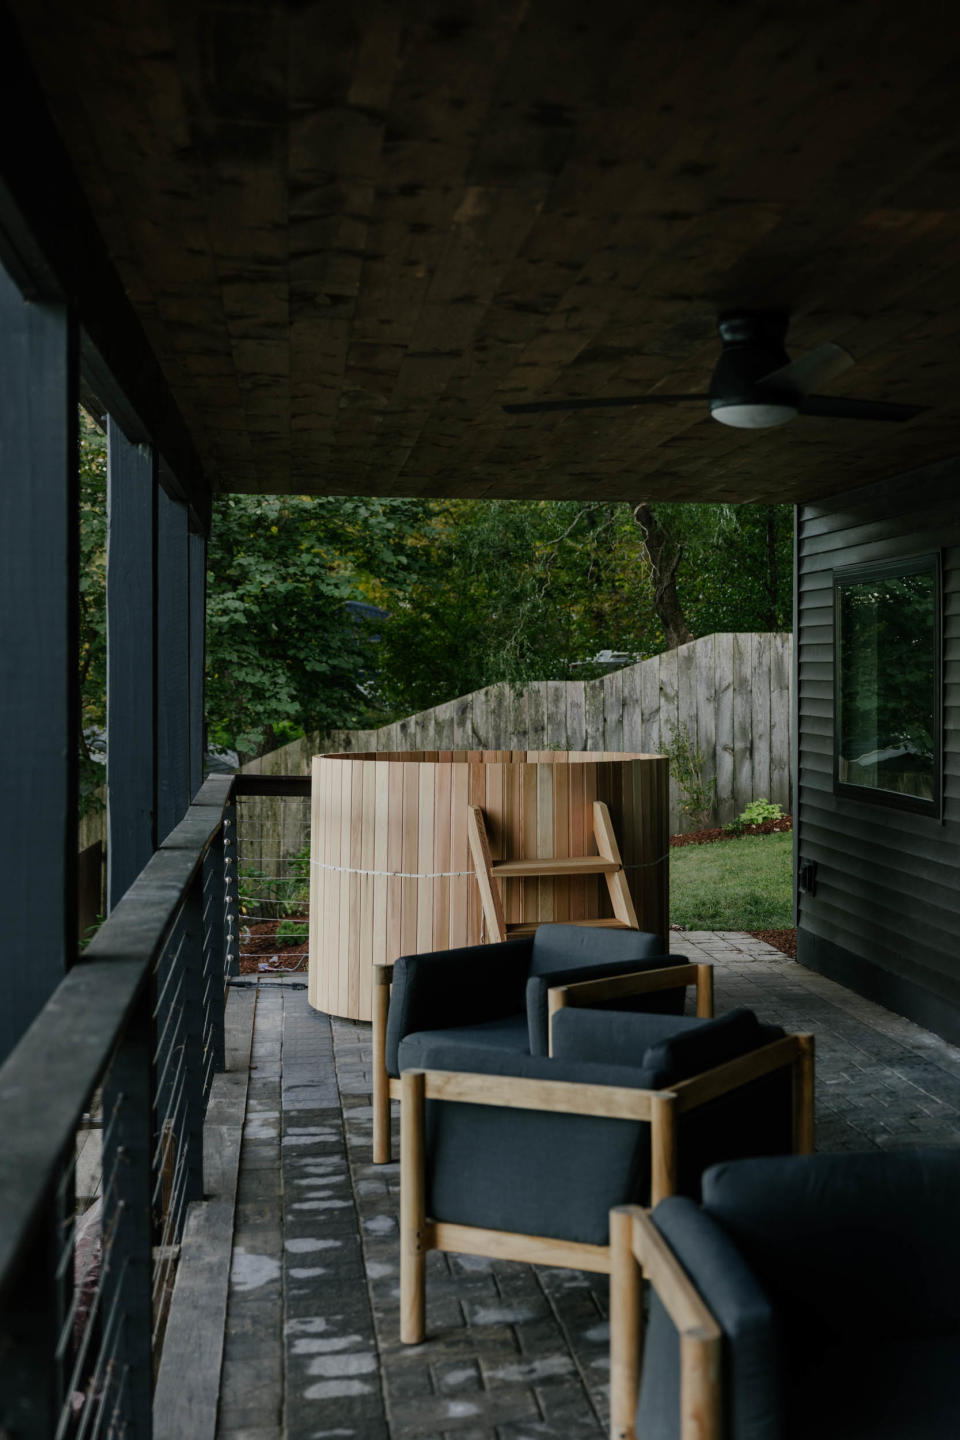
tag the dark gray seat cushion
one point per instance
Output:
(478, 984)
(509, 1034)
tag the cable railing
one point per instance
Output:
(273, 851)
(127, 1047)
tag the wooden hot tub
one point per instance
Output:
(392, 866)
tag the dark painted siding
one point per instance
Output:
(886, 912)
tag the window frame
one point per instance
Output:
(930, 562)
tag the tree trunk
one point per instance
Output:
(664, 552)
(773, 579)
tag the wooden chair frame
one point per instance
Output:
(585, 992)
(660, 1108)
(637, 1249)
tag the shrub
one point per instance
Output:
(687, 769)
(756, 813)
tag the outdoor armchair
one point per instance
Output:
(499, 996)
(522, 1156)
(810, 1296)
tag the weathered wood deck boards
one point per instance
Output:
(391, 868)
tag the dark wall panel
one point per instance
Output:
(886, 914)
(131, 726)
(38, 658)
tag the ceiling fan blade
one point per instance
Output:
(601, 402)
(821, 366)
(841, 407)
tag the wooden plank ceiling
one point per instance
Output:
(353, 231)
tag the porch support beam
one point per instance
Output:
(38, 657)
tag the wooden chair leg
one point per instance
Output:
(803, 1097)
(705, 992)
(663, 1146)
(626, 1325)
(381, 1082)
(412, 1210)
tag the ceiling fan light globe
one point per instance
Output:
(753, 415)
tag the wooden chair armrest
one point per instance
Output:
(699, 1334)
(637, 982)
(513, 1092)
(699, 1089)
(679, 1296)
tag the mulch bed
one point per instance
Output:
(260, 953)
(785, 940)
(705, 837)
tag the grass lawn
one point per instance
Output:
(742, 884)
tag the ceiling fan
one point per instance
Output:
(755, 385)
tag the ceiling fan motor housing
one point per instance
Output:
(753, 346)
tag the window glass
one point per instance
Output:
(887, 680)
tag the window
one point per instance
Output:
(887, 683)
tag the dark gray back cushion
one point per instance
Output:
(738, 1303)
(692, 1049)
(668, 1002)
(836, 1238)
(615, 1037)
(466, 986)
(569, 947)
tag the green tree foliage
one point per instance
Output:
(514, 591)
(93, 604)
(284, 653)
(517, 591)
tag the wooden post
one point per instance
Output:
(412, 1209)
(663, 1146)
(705, 992)
(803, 1097)
(38, 679)
(626, 1325)
(131, 718)
(382, 975)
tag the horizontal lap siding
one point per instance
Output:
(888, 880)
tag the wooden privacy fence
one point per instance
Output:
(732, 692)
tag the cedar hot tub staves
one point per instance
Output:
(393, 872)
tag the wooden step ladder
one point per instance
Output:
(607, 862)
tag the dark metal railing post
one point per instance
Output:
(31, 1375)
(191, 958)
(127, 1281)
(231, 892)
(214, 926)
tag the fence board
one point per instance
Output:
(760, 694)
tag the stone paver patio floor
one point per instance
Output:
(514, 1353)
